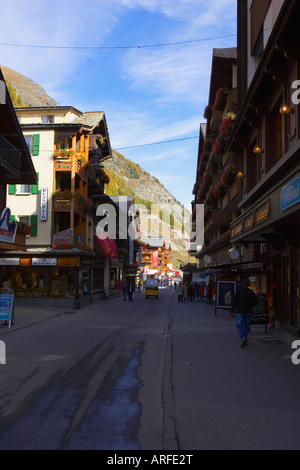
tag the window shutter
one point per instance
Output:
(12, 189)
(35, 144)
(35, 187)
(33, 223)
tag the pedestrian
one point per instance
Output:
(120, 287)
(243, 301)
(191, 293)
(198, 292)
(185, 292)
(125, 289)
(180, 293)
(6, 290)
(130, 291)
(202, 287)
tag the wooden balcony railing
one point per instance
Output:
(66, 162)
(64, 204)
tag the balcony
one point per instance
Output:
(64, 204)
(219, 219)
(67, 160)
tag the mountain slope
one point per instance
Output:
(166, 218)
(29, 92)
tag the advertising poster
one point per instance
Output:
(6, 303)
(225, 293)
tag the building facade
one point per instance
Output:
(155, 258)
(64, 260)
(262, 236)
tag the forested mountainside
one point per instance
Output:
(129, 178)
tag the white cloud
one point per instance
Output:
(176, 74)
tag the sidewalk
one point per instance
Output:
(228, 397)
(27, 316)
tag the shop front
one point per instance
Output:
(55, 279)
(270, 228)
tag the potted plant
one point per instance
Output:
(220, 100)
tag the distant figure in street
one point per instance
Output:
(130, 291)
(198, 292)
(180, 293)
(242, 304)
(6, 290)
(191, 293)
(185, 292)
(125, 289)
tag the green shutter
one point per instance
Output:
(33, 223)
(12, 189)
(35, 187)
(35, 144)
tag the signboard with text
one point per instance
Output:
(8, 229)
(6, 304)
(260, 312)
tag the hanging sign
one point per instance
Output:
(8, 229)
(44, 204)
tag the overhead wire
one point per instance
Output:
(43, 46)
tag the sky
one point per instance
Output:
(145, 63)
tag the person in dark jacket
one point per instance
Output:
(242, 304)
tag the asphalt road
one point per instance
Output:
(145, 375)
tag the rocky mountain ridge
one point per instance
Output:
(164, 216)
(30, 92)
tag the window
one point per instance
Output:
(47, 119)
(31, 220)
(33, 144)
(23, 189)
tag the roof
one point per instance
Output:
(221, 70)
(156, 243)
(50, 108)
(90, 119)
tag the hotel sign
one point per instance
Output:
(44, 204)
(261, 214)
(44, 262)
(290, 194)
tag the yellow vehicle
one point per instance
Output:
(152, 288)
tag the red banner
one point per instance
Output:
(155, 259)
(108, 246)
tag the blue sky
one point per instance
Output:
(149, 94)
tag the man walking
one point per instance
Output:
(179, 293)
(242, 304)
